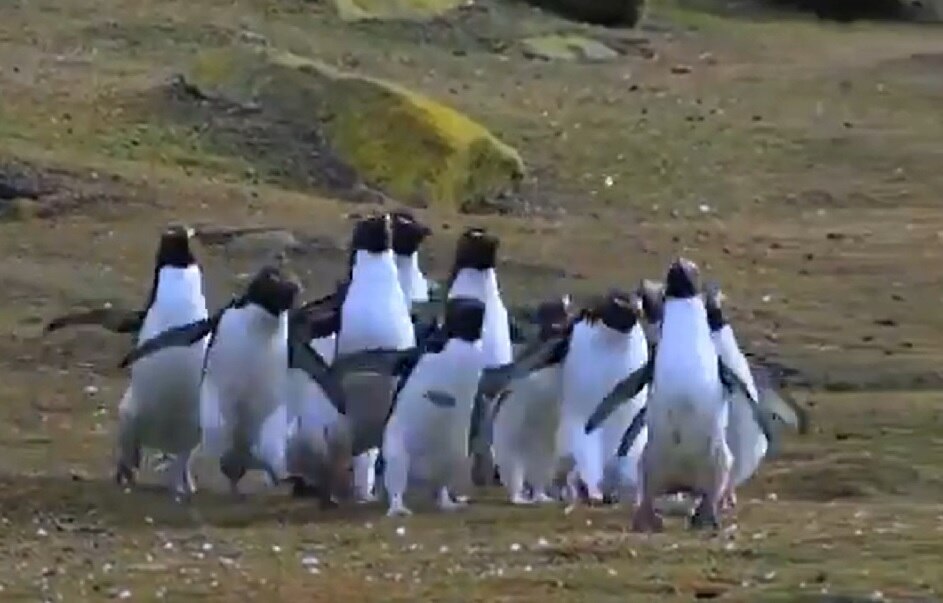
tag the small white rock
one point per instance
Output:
(90, 390)
(42, 533)
(276, 549)
(515, 547)
(704, 208)
(207, 546)
(609, 181)
(309, 560)
(125, 594)
(401, 531)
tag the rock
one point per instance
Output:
(409, 146)
(567, 47)
(393, 10)
(19, 209)
(264, 243)
(599, 12)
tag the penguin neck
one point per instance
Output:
(175, 284)
(411, 279)
(462, 348)
(480, 284)
(262, 320)
(371, 268)
(609, 336)
(684, 319)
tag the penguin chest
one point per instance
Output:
(530, 415)
(249, 367)
(434, 407)
(375, 314)
(496, 335)
(593, 366)
(168, 382)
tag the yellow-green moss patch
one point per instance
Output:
(412, 10)
(567, 47)
(412, 147)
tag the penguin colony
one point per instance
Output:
(394, 386)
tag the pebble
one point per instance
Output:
(515, 547)
(401, 531)
(125, 594)
(90, 390)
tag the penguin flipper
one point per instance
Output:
(182, 336)
(776, 401)
(305, 358)
(377, 360)
(732, 381)
(114, 320)
(632, 433)
(494, 380)
(624, 391)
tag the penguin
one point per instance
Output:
(651, 293)
(687, 410)
(408, 235)
(474, 275)
(159, 410)
(319, 448)
(374, 313)
(242, 413)
(605, 345)
(426, 438)
(747, 441)
(527, 416)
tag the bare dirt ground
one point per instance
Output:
(798, 161)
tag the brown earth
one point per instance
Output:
(797, 161)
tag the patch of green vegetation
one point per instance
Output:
(358, 10)
(417, 149)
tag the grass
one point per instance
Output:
(814, 149)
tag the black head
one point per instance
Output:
(373, 234)
(652, 296)
(713, 300)
(408, 233)
(174, 248)
(683, 279)
(464, 318)
(476, 249)
(618, 310)
(553, 317)
(273, 289)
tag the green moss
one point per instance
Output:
(413, 10)
(413, 147)
(567, 47)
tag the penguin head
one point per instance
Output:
(464, 318)
(273, 290)
(553, 316)
(713, 300)
(652, 295)
(618, 310)
(683, 279)
(373, 234)
(174, 248)
(477, 249)
(408, 233)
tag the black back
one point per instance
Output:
(173, 250)
(713, 298)
(373, 234)
(653, 306)
(683, 279)
(408, 233)
(273, 290)
(617, 310)
(476, 249)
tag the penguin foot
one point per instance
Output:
(704, 517)
(520, 499)
(124, 475)
(729, 502)
(398, 511)
(447, 504)
(541, 498)
(365, 498)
